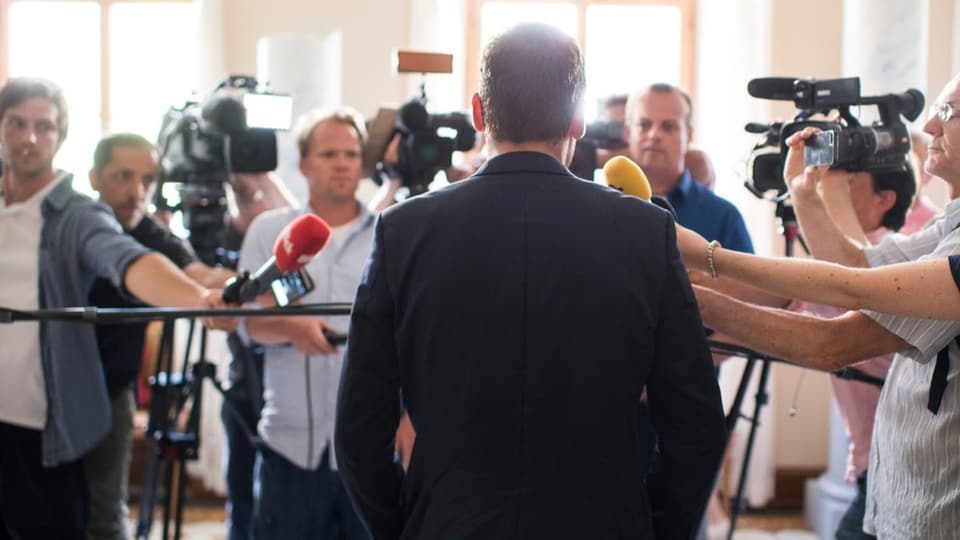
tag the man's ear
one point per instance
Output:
(578, 127)
(477, 109)
(888, 198)
(94, 180)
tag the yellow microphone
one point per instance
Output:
(625, 175)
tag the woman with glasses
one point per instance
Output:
(928, 288)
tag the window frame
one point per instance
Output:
(105, 5)
(688, 18)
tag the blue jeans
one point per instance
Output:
(290, 502)
(851, 524)
(240, 459)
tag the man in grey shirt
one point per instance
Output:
(299, 493)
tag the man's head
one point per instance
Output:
(33, 125)
(701, 168)
(330, 145)
(531, 87)
(943, 152)
(659, 130)
(124, 173)
(615, 108)
(879, 198)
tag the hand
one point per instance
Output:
(693, 248)
(308, 336)
(213, 299)
(801, 180)
(404, 441)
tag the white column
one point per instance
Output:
(309, 68)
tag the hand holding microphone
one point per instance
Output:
(297, 245)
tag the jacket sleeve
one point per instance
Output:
(368, 402)
(685, 407)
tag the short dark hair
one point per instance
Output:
(661, 88)
(615, 100)
(342, 115)
(104, 150)
(18, 90)
(531, 84)
(904, 184)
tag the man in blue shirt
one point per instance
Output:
(659, 130)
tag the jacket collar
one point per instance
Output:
(514, 162)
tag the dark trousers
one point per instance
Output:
(38, 503)
(851, 524)
(241, 456)
(291, 502)
(648, 437)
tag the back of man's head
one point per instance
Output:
(103, 153)
(904, 184)
(18, 90)
(531, 84)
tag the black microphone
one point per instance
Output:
(662, 202)
(772, 88)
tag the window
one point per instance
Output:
(121, 64)
(616, 36)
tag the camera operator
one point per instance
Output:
(54, 406)
(124, 174)
(295, 461)
(913, 460)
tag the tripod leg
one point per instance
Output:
(148, 499)
(181, 496)
(736, 505)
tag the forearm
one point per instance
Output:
(824, 344)
(156, 281)
(206, 275)
(822, 235)
(272, 330)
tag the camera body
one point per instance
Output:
(598, 135)
(203, 143)
(846, 144)
(427, 144)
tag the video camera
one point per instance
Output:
(599, 134)
(203, 143)
(427, 144)
(847, 144)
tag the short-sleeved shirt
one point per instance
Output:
(710, 215)
(300, 393)
(121, 345)
(913, 487)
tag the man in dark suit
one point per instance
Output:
(519, 314)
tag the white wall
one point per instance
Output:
(371, 30)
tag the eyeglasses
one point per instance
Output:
(943, 111)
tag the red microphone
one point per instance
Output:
(297, 245)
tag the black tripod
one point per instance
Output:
(790, 230)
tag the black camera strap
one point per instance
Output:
(938, 383)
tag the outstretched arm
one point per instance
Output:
(824, 344)
(916, 289)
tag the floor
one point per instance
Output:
(206, 523)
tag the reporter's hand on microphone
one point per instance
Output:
(213, 299)
(306, 336)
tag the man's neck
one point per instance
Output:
(663, 183)
(19, 188)
(556, 149)
(335, 213)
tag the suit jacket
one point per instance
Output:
(520, 313)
